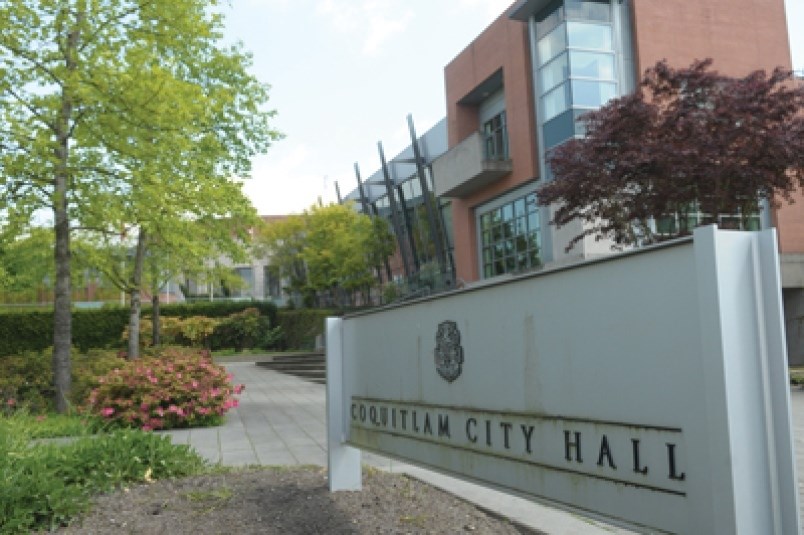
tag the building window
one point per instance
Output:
(246, 275)
(510, 237)
(273, 282)
(575, 66)
(669, 226)
(495, 138)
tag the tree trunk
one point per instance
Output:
(62, 318)
(135, 293)
(157, 332)
(62, 313)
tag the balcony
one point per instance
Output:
(472, 164)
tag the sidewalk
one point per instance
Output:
(281, 420)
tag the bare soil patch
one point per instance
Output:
(285, 501)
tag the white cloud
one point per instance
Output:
(383, 28)
(344, 15)
(375, 21)
(285, 183)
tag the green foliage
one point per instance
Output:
(27, 379)
(99, 328)
(246, 330)
(33, 331)
(175, 388)
(25, 331)
(797, 376)
(27, 261)
(217, 309)
(300, 327)
(50, 425)
(124, 118)
(327, 249)
(169, 328)
(44, 485)
(197, 330)
(242, 330)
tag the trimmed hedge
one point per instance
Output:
(301, 326)
(215, 309)
(103, 328)
(33, 331)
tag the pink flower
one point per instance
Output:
(239, 388)
(153, 380)
(147, 427)
(144, 407)
(11, 402)
(194, 384)
(107, 411)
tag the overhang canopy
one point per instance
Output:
(523, 9)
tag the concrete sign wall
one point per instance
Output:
(649, 388)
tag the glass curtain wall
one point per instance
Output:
(510, 236)
(575, 66)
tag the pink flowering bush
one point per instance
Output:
(178, 387)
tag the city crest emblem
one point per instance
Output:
(448, 351)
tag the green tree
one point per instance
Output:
(104, 103)
(328, 249)
(283, 241)
(27, 261)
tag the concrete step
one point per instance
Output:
(305, 357)
(309, 367)
(294, 365)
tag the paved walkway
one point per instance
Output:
(282, 421)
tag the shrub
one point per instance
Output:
(26, 380)
(217, 309)
(301, 326)
(245, 330)
(176, 388)
(197, 330)
(45, 485)
(33, 330)
(239, 330)
(169, 331)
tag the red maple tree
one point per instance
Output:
(688, 141)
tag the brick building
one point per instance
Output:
(517, 90)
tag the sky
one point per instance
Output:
(344, 74)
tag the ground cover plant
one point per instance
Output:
(44, 484)
(176, 387)
(44, 426)
(26, 379)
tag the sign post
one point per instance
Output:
(648, 389)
